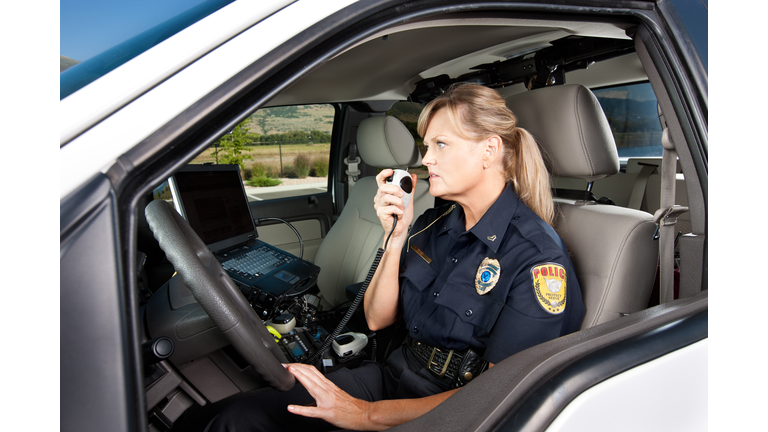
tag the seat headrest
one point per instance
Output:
(385, 142)
(570, 126)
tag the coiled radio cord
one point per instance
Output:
(356, 302)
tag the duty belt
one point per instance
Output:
(458, 366)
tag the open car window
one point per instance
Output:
(282, 151)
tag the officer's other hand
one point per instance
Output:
(332, 404)
(388, 203)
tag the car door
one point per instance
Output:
(100, 374)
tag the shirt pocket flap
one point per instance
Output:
(418, 272)
(479, 310)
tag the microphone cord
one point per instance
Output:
(356, 302)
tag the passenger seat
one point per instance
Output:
(348, 250)
(612, 247)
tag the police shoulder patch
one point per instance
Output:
(549, 286)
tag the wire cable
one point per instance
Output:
(353, 307)
(295, 231)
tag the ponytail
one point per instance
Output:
(480, 112)
(524, 167)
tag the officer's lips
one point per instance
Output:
(432, 175)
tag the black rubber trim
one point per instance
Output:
(75, 206)
(696, 71)
(683, 98)
(545, 402)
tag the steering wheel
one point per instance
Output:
(219, 297)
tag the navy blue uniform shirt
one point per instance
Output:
(443, 270)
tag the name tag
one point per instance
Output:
(421, 254)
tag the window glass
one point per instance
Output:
(633, 116)
(282, 151)
(162, 192)
(72, 78)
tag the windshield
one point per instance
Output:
(80, 40)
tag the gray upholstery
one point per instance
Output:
(570, 125)
(385, 142)
(348, 250)
(612, 247)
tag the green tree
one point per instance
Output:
(230, 149)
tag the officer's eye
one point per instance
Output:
(440, 144)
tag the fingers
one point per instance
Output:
(306, 411)
(309, 377)
(382, 176)
(388, 201)
(331, 403)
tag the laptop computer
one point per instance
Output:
(212, 199)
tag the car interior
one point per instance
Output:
(632, 215)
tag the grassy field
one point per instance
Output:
(269, 156)
(267, 152)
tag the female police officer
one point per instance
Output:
(475, 281)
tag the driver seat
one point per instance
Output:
(612, 247)
(348, 250)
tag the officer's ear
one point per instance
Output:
(493, 148)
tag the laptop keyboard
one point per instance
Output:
(256, 262)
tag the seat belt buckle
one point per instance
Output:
(667, 216)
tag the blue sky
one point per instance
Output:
(89, 27)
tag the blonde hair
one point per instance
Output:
(479, 112)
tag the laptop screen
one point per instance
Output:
(212, 199)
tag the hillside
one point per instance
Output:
(277, 120)
(66, 63)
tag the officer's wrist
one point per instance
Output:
(394, 243)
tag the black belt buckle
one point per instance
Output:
(435, 366)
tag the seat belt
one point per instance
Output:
(638, 190)
(351, 161)
(666, 216)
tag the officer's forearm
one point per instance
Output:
(388, 413)
(381, 299)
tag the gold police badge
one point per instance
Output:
(487, 275)
(549, 287)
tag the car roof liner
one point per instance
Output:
(546, 66)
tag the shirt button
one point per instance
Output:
(468, 312)
(516, 218)
(403, 269)
(436, 294)
(416, 330)
(455, 260)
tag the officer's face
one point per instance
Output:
(455, 163)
